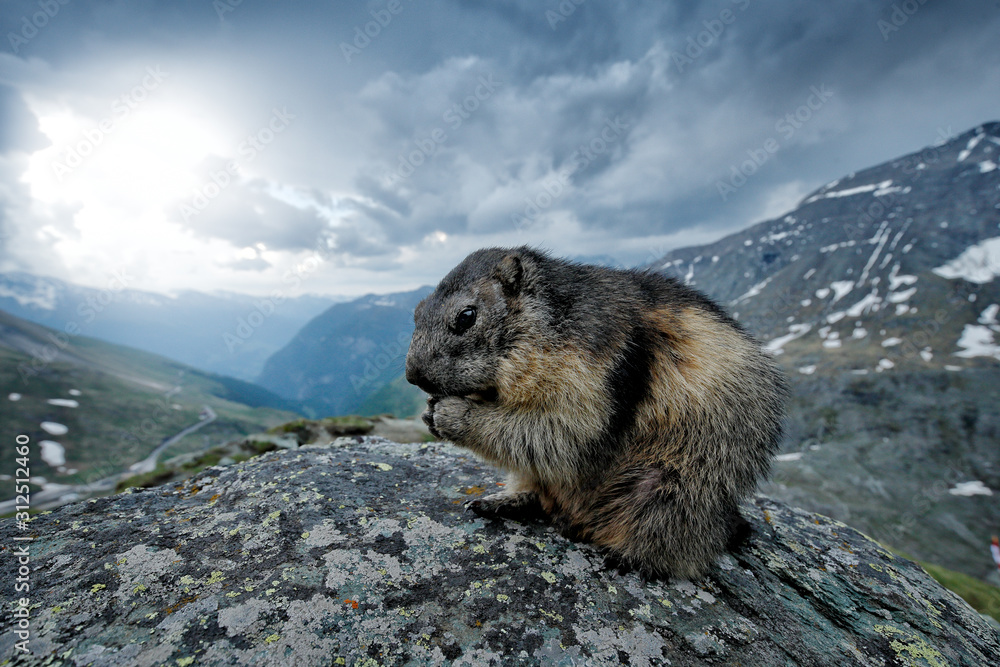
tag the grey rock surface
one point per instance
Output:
(360, 552)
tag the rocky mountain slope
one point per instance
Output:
(338, 363)
(902, 255)
(229, 334)
(359, 552)
(94, 408)
(879, 295)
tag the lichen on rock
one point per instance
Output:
(361, 552)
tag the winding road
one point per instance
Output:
(148, 464)
(54, 495)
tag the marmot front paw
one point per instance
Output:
(523, 506)
(446, 417)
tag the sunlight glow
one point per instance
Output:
(120, 178)
(147, 157)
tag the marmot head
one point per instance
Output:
(466, 325)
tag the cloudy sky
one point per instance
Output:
(348, 147)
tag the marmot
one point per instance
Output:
(625, 405)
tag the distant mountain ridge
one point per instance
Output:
(225, 333)
(345, 359)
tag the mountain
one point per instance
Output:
(92, 409)
(879, 295)
(345, 359)
(226, 333)
(871, 247)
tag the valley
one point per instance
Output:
(95, 408)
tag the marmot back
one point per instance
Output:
(628, 407)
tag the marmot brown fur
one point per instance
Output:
(628, 407)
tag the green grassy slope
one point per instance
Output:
(129, 401)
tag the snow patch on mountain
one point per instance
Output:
(881, 192)
(869, 303)
(43, 296)
(969, 147)
(794, 331)
(54, 428)
(774, 237)
(977, 341)
(52, 453)
(975, 488)
(850, 192)
(752, 292)
(840, 289)
(825, 332)
(900, 297)
(838, 246)
(977, 264)
(880, 239)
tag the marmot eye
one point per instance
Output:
(465, 320)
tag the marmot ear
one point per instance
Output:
(510, 273)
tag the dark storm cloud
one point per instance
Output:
(457, 119)
(751, 65)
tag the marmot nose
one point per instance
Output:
(415, 376)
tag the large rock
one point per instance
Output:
(360, 552)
